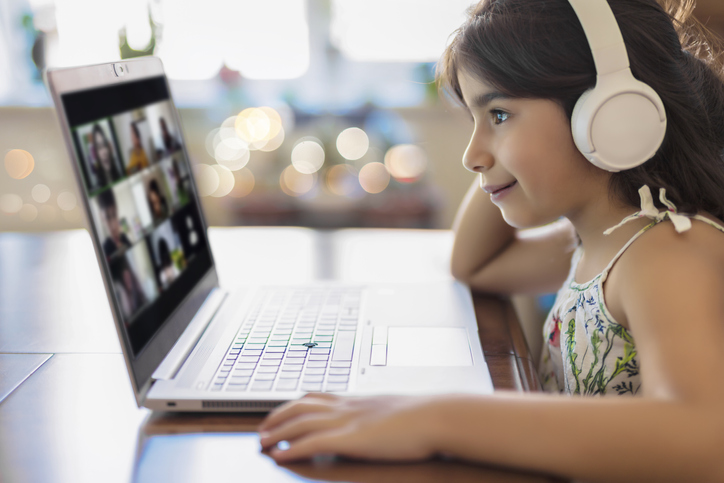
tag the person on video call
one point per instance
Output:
(104, 165)
(109, 213)
(157, 202)
(170, 144)
(167, 270)
(128, 290)
(137, 159)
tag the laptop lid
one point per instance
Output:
(125, 141)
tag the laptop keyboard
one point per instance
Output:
(293, 340)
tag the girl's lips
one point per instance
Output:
(497, 192)
(494, 189)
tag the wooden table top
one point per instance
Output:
(67, 410)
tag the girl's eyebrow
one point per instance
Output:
(482, 100)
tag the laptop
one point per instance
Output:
(190, 345)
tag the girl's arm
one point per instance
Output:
(673, 432)
(491, 256)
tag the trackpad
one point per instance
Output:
(428, 346)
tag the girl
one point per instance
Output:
(639, 311)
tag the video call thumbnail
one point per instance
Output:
(139, 184)
(122, 145)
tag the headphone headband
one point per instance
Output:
(621, 122)
(603, 34)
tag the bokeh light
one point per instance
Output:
(66, 201)
(374, 177)
(406, 162)
(19, 163)
(258, 126)
(244, 183)
(294, 183)
(274, 142)
(253, 125)
(212, 141)
(28, 212)
(232, 153)
(226, 181)
(40, 193)
(308, 156)
(207, 179)
(10, 203)
(342, 180)
(353, 143)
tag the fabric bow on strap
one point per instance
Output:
(648, 210)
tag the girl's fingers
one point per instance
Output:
(300, 427)
(307, 404)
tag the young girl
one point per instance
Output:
(640, 307)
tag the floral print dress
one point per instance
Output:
(585, 351)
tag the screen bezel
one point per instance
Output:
(68, 80)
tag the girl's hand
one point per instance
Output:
(382, 428)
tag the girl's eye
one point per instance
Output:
(499, 116)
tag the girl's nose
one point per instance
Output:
(477, 157)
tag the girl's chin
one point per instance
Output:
(522, 220)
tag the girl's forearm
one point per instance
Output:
(480, 233)
(591, 439)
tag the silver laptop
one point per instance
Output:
(188, 344)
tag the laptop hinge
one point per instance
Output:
(178, 354)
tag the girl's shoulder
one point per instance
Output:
(664, 266)
(703, 240)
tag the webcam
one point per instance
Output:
(120, 69)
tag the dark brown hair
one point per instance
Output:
(537, 49)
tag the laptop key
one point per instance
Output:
(242, 372)
(267, 370)
(337, 378)
(339, 371)
(287, 385)
(317, 364)
(251, 352)
(313, 378)
(343, 347)
(253, 359)
(273, 355)
(239, 380)
(314, 371)
(265, 377)
(237, 387)
(289, 375)
(292, 367)
(261, 385)
(245, 365)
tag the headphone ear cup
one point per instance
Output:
(620, 124)
(581, 125)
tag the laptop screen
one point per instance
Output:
(144, 214)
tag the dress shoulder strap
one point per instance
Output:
(625, 247)
(681, 222)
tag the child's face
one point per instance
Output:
(524, 152)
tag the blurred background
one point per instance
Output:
(345, 126)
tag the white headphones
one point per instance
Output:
(620, 123)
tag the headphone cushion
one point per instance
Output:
(619, 127)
